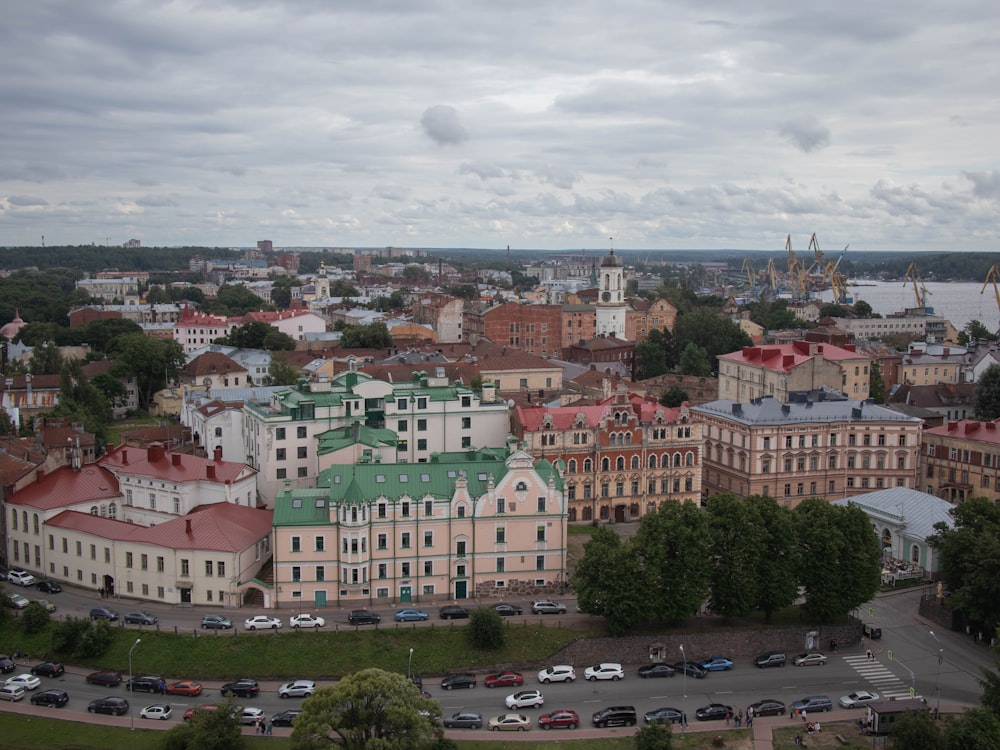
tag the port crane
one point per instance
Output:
(836, 279)
(920, 290)
(993, 277)
(796, 273)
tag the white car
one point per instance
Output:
(605, 671)
(525, 699)
(251, 715)
(558, 673)
(307, 621)
(262, 622)
(548, 607)
(27, 681)
(297, 689)
(159, 711)
(20, 577)
(858, 698)
(809, 659)
(17, 600)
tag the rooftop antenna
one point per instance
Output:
(43, 240)
(508, 255)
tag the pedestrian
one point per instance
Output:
(870, 655)
(804, 714)
(259, 727)
(163, 686)
(738, 719)
(270, 726)
(729, 715)
(749, 718)
(101, 592)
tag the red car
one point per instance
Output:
(564, 718)
(207, 707)
(504, 679)
(184, 687)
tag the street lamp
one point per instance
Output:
(409, 664)
(937, 685)
(684, 701)
(131, 687)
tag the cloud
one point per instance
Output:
(807, 134)
(482, 171)
(985, 185)
(440, 122)
(26, 200)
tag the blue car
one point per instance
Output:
(410, 615)
(716, 664)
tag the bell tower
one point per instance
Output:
(611, 297)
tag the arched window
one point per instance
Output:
(635, 462)
(677, 458)
(689, 459)
(652, 460)
(915, 554)
(218, 432)
(620, 463)
(522, 487)
(112, 510)
(94, 510)
(628, 438)
(571, 466)
(588, 466)
(605, 464)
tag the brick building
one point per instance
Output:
(961, 460)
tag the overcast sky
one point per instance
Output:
(530, 123)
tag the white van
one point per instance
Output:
(12, 692)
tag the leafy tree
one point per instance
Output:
(236, 300)
(249, 335)
(839, 558)
(341, 288)
(712, 332)
(970, 560)
(486, 629)
(986, 401)
(81, 401)
(416, 274)
(654, 737)
(111, 388)
(45, 360)
(81, 638)
(607, 581)
(209, 730)
(777, 574)
(694, 360)
(737, 543)
(280, 372)
(668, 343)
(157, 295)
(975, 729)
(34, 618)
(99, 334)
(876, 385)
(464, 291)
(833, 310)
(671, 546)
(917, 730)
(976, 330)
(368, 710)
(862, 309)
(278, 341)
(150, 361)
(372, 336)
(674, 397)
(651, 359)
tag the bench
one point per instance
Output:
(840, 739)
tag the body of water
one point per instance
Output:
(958, 302)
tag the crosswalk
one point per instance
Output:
(883, 681)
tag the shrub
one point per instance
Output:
(486, 630)
(34, 619)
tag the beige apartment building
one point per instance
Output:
(806, 448)
(961, 460)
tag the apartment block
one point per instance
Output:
(961, 460)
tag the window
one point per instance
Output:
(539, 562)
(279, 454)
(541, 505)
(296, 544)
(279, 433)
(381, 510)
(402, 425)
(422, 444)
(501, 505)
(281, 473)
(460, 549)
(466, 423)
(421, 425)
(404, 539)
(296, 574)
(428, 567)
(300, 432)
(185, 568)
(500, 565)
(320, 543)
(152, 501)
(320, 573)
(220, 569)
(501, 535)
(404, 569)
(461, 511)
(381, 540)
(128, 559)
(208, 567)
(428, 507)
(428, 538)
(302, 452)
(405, 509)
(382, 570)
(93, 552)
(540, 533)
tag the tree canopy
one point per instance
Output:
(257, 335)
(986, 401)
(372, 336)
(149, 360)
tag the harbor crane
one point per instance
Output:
(796, 273)
(920, 290)
(993, 277)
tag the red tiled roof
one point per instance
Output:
(270, 316)
(969, 429)
(785, 357)
(211, 363)
(563, 417)
(64, 487)
(168, 466)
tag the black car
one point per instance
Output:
(453, 612)
(615, 716)
(49, 587)
(691, 669)
(657, 669)
(146, 683)
(463, 680)
(108, 679)
(464, 720)
(7, 665)
(110, 705)
(140, 618)
(48, 669)
(285, 718)
(57, 698)
(507, 610)
(103, 613)
(245, 688)
(767, 707)
(363, 617)
(770, 659)
(713, 711)
(664, 715)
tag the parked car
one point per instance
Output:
(19, 602)
(216, 622)
(250, 715)
(140, 618)
(504, 679)
(558, 673)
(106, 678)
(604, 671)
(110, 705)
(262, 622)
(716, 664)
(548, 607)
(160, 711)
(770, 659)
(27, 681)
(507, 610)
(189, 688)
(20, 577)
(874, 632)
(767, 707)
(410, 615)
(808, 659)
(297, 689)
(691, 669)
(713, 711)
(48, 587)
(525, 699)
(244, 688)
(363, 617)
(812, 703)
(204, 707)
(48, 669)
(615, 716)
(453, 612)
(564, 718)
(285, 718)
(12, 693)
(464, 720)
(656, 669)
(510, 723)
(664, 715)
(55, 698)
(103, 613)
(858, 699)
(7, 665)
(46, 605)
(462, 680)
(306, 621)
(147, 684)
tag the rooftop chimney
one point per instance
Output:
(175, 459)
(187, 525)
(210, 471)
(218, 453)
